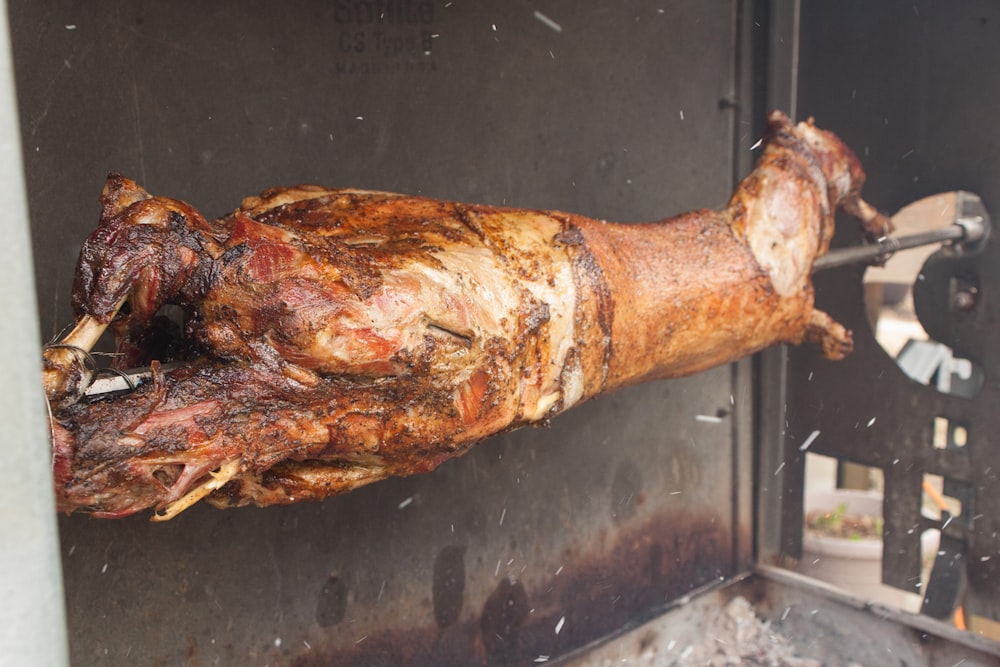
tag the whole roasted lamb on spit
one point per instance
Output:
(337, 337)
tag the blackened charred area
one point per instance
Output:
(781, 131)
(234, 253)
(597, 593)
(360, 269)
(311, 213)
(161, 241)
(448, 588)
(405, 221)
(569, 236)
(534, 313)
(466, 217)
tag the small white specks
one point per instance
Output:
(785, 614)
(277, 642)
(681, 112)
(71, 550)
(361, 640)
(559, 625)
(503, 515)
(542, 658)
(308, 647)
(671, 645)
(559, 570)
(808, 441)
(708, 419)
(983, 559)
(104, 569)
(406, 502)
(496, 572)
(359, 118)
(70, 26)
(494, 26)
(547, 21)
(757, 144)
(778, 469)
(871, 422)
(809, 379)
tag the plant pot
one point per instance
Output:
(854, 565)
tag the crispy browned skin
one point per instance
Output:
(337, 337)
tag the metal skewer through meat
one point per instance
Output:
(338, 337)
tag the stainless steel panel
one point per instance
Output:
(534, 543)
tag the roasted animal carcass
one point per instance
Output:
(337, 337)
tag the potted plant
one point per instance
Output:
(842, 545)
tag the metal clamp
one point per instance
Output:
(970, 228)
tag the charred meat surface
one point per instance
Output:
(337, 337)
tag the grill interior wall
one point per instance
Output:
(536, 542)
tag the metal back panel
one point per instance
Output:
(534, 543)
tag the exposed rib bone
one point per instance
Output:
(217, 479)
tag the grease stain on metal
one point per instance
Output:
(600, 590)
(503, 615)
(448, 587)
(331, 605)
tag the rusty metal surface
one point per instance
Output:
(915, 88)
(534, 543)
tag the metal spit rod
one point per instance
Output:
(963, 231)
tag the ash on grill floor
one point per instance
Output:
(777, 618)
(732, 635)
